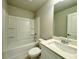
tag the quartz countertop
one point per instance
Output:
(60, 52)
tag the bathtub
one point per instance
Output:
(19, 52)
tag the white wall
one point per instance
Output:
(4, 24)
(37, 28)
(4, 28)
(15, 11)
(46, 19)
(4, 4)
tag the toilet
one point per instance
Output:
(34, 53)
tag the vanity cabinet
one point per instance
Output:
(46, 53)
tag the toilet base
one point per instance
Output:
(34, 57)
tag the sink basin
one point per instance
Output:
(63, 47)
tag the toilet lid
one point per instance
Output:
(34, 52)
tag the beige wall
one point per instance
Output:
(46, 20)
(60, 21)
(15, 11)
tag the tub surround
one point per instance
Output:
(61, 53)
(20, 52)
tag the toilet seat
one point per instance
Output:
(34, 52)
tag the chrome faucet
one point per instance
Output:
(65, 41)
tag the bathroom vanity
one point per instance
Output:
(55, 49)
(46, 53)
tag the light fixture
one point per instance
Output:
(57, 1)
(30, 0)
(61, 0)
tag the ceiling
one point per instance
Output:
(27, 4)
(65, 4)
(34, 5)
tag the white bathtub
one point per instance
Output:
(19, 52)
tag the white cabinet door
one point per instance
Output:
(48, 54)
(72, 26)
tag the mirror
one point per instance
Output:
(65, 19)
